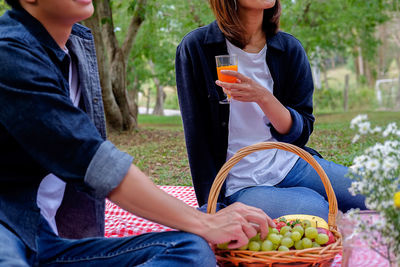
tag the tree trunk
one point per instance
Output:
(360, 62)
(397, 105)
(112, 111)
(346, 92)
(325, 73)
(112, 63)
(148, 101)
(159, 107)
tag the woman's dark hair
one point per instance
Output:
(228, 21)
(14, 4)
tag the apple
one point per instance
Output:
(331, 240)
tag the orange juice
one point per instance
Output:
(224, 77)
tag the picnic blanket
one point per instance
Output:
(120, 223)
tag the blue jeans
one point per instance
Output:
(152, 249)
(302, 192)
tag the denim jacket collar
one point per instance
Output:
(37, 29)
(214, 35)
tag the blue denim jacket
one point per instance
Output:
(41, 132)
(205, 121)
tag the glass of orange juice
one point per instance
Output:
(226, 62)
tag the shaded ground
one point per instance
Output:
(160, 153)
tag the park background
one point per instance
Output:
(353, 47)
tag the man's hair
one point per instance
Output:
(225, 12)
(14, 4)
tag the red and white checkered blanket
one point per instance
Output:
(122, 223)
(119, 223)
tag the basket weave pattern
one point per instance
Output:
(320, 256)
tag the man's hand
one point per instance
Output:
(236, 224)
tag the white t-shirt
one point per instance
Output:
(248, 125)
(51, 189)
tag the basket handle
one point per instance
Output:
(241, 153)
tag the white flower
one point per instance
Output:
(377, 129)
(364, 127)
(117, 29)
(390, 164)
(359, 118)
(355, 138)
(375, 174)
(390, 129)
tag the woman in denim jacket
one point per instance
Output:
(271, 101)
(56, 167)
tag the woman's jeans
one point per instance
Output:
(153, 249)
(302, 192)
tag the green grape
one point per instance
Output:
(296, 236)
(267, 245)
(315, 245)
(274, 238)
(306, 224)
(223, 245)
(311, 232)
(287, 242)
(254, 246)
(283, 248)
(299, 229)
(256, 237)
(285, 229)
(322, 239)
(306, 242)
(288, 234)
(298, 244)
(274, 230)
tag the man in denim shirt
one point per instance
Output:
(56, 167)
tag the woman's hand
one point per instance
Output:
(236, 224)
(245, 89)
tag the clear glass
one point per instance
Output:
(226, 62)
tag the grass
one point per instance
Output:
(159, 146)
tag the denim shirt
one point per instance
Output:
(205, 120)
(41, 131)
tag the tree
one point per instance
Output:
(167, 21)
(337, 27)
(112, 58)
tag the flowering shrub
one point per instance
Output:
(376, 175)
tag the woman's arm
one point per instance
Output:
(247, 90)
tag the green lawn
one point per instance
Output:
(159, 146)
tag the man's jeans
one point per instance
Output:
(153, 249)
(302, 192)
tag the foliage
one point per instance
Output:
(331, 99)
(166, 23)
(3, 7)
(335, 26)
(376, 174)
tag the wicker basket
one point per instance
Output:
(321, 256)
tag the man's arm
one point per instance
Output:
(236, 223)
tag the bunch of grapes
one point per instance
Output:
(289, 235)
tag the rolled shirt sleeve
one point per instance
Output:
(107, 169)
(294, 132)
